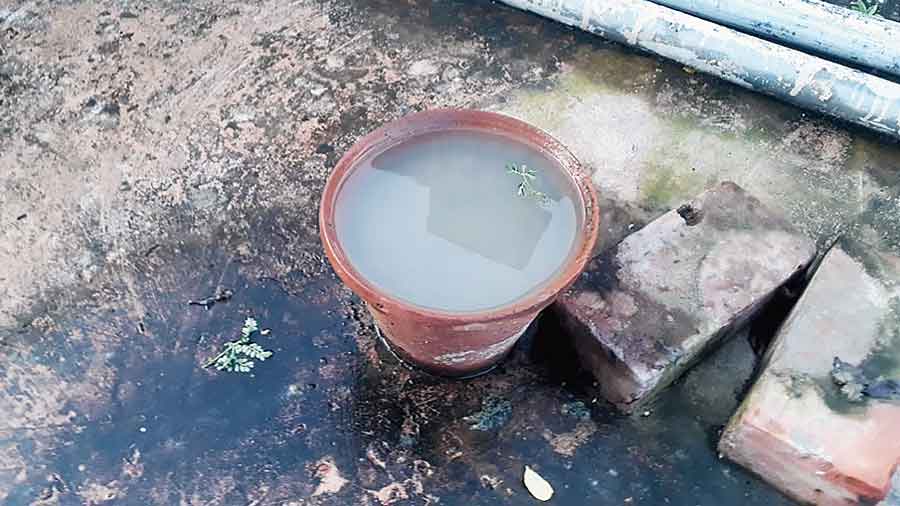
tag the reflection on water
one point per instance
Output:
(439, 221)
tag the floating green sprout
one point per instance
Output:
(239, 355)
(862, 7)
(526, 184)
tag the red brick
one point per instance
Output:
(795, 429)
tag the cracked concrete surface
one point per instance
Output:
(150, 151)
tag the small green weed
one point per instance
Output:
(862, 7)
(526, 184)
(239, 355)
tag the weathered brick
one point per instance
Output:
(797, 429)
(646, 309)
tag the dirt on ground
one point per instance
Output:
(122, 122)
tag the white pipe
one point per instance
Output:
(790, 75)
(835, 32)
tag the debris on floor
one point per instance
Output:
(221, 295)
(647, 309)
(537, 485)
(576, 409)
(491, 482)
(330, 479)
(816, 426)
(494, 414)
(851, 380)
(567, 443)
(856, 385)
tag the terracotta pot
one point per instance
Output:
(446, 343)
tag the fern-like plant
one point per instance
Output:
(526, 188)
(239, 355)
(862, 7)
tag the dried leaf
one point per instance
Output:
(538, 486)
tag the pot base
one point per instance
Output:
(411, 364)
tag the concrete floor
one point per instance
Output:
(150, 151)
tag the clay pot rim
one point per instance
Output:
(436, 120)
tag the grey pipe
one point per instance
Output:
(838, 33)
(793, 76)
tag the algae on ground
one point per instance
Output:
(494, 413)
(663, 188)
(576, 409)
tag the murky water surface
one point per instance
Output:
(441, 221)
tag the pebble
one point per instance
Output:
(450, 73)
(334, 62)
(423, 68)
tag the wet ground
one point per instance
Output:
(144, 423)
(152, 151)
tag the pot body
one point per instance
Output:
(446, 343)
(456, 350)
